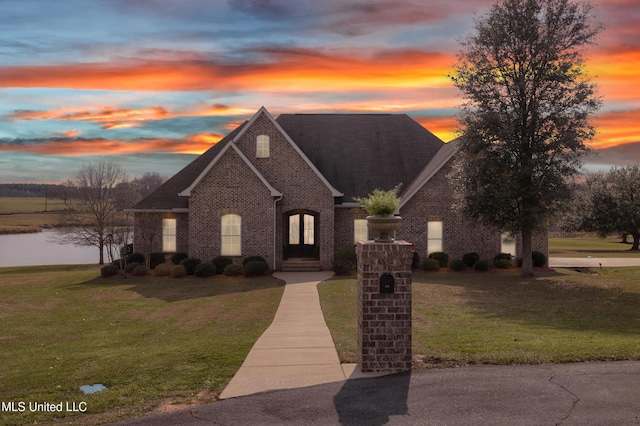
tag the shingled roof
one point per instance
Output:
(358, 153)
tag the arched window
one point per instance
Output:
(262, 146)
(231, 226)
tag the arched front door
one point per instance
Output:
(300, 234)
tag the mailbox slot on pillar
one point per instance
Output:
(387, 283)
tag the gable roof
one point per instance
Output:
(358, 153)
(263, 110)
(166, 197)
(353, 154)
(441, 158)
(187, 192)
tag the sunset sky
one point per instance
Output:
(150, 84)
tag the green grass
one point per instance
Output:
(590, 246)
(29, 205)
(503, 318)
(23, 214)
(149, 341)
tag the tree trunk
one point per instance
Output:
(101, 254)
(636, 241)
(527, 259)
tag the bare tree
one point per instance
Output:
(527, 112)
(95, 207)
(147, 183)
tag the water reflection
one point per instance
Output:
(41, 249)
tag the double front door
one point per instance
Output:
(301, 234)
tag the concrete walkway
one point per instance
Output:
(592, 262)
(297, 349)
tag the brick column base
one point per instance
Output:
(384, 319)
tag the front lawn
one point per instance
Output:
(503, 318)
(590, 246)
(153, 342)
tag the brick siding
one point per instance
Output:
(231, 187)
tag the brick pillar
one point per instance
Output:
(384, 319)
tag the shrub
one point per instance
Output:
(140, 271)
(233, 270)
(163, 269)
(470, 259)
(345, 262)
(178, 257)
(481, 265)
(255, 267)
(343, 267)
(190, 263)
(136, 258)
(205, 269)
(442, 258)
(503, 264)
(253, 258)
(457, 265)
(415, 261)
(539, 259)
(155, 259)
(178, 271)
(347, 254)
(501, 256)
(221, 262)
(109, 270)
(430, 265)
(130, 267)
(381, 203)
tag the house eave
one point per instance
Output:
(176, 210)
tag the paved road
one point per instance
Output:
(561, 394)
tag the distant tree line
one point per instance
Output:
(142, 186)
(32, 190)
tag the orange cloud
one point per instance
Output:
(69, 133)
(193, 144)
(282, 69)
(119, 118)
(618, 128)
(442, 127)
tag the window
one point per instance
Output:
(434, 236)
(168, 234)
(231, 235)
(309, 229)
(508, 244)
(360, 231)
(262, 146)
(294, 229)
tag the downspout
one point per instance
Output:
(275, 230)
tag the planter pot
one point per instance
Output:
(384, 226)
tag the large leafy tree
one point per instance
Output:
(526, 112)
(608, 203)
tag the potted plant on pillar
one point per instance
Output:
(381, 205)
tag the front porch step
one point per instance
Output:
(300, 265)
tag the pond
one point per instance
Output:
(41, 249)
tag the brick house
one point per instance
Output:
(283, 189)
